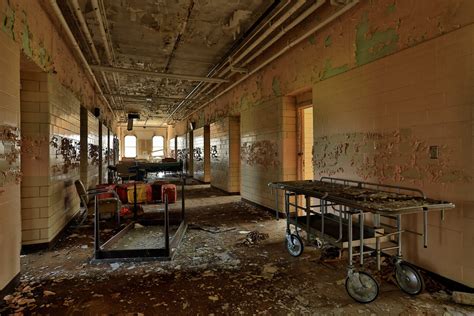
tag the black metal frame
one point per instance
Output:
(166, 253)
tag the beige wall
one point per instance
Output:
(10, 223)
(49, 200)
(268, 148)
(35, 133)
(92, 139)
(201, 156)
(184, 151)
(65, 123)
(105, 148)
(225, 154)
(389, 113)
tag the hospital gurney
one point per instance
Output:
(379, 209)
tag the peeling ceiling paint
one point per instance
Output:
(184, 37)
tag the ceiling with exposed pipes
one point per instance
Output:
(163, 58)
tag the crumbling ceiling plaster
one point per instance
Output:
(184, 37)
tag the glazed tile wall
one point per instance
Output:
(391, 111)
(49, 199)
(65, 123)
(93, 139)
(225, 154)
(35, 132)
(201, 156)
(265, 145)
(10, 223)
(105, 148)
(184, 145)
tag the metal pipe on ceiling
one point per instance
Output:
(272, 41)
(145, 97)
(285, 30)
(85, 29)
(290, 45)
(260, 28)
(252, 32)
(294, 23)
(103, 36)
(268, 31)
(77, 49)
(158, 74)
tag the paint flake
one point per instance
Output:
(371, 46)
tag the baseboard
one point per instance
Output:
(26, 249)
(224, 191)
(450, 284)
(10, 287)
(200, 181)
(265, 208)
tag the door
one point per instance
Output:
(305, 143)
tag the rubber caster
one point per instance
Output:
(362, 287)
(409, 279)
(294, 245)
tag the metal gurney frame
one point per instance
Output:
(347, 198)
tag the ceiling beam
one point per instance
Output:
(145, 97)
(158, 74)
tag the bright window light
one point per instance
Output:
(130, 146)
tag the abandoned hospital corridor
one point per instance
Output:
(250, 157)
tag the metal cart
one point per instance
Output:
(377, 229)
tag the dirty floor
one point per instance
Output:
(216, 270)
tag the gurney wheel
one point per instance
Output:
(362, 287)
(409, 279)
(294, 245)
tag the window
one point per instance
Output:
(158, 146)
(130, 146)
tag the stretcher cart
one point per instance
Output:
(377, 227)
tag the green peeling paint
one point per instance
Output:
(9, 22)
(330, 71)
(312, 39)
(276, 87)
(391, 8)
(370, 47)
(26, 37)
(328, 41)
(244, 102)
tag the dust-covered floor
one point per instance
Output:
(216, 271)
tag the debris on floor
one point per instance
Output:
(210, 274)
(254, 238)
(463, 298)
(211, 229)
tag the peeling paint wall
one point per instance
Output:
(201, 154)
(29, 24)
(225, 154)
(386, 122)
(10, 205)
